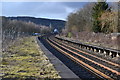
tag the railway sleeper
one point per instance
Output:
(83, 59)
(90, 48)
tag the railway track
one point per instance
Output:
(109, 63)
(117, 65)
(78, 69)
(75, 48)
(102, 68)
(109, 69)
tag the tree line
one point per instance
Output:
(98, 17)
(13, 29)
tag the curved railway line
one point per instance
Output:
(109, 62)
(98, 66)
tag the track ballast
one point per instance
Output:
(82, 63)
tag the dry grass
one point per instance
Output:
(98, 39)
(25, 59)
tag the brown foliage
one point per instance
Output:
(109, 22)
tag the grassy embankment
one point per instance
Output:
(24, 59)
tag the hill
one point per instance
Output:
(54, 23)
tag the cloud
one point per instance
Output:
(74, 4)
(56, 10)
(52, 8)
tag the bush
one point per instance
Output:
(69, 34)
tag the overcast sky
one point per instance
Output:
(53, 10)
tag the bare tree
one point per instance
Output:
(80, 20)
(13, 29)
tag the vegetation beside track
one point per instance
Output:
(24, 59)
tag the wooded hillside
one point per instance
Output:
(54, 23)
(96, 23)
(13, 29)
(99, 17)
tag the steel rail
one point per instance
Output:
(114, 64)
(114, 71)
(81, 62)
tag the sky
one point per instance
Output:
(52, 10)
